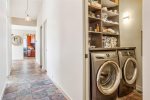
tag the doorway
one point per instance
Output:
(23, 42)
(29, 45)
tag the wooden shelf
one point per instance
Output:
(109, 34)
(94, 8)
(93, 19)
(108, 3)
(96, 38)
(109, 24)
(110, 14)
(93, 32)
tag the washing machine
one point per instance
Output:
(129, 67)
(105, 75)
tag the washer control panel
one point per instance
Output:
(104, 55)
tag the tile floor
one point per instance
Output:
(28, 82)
(132, 96)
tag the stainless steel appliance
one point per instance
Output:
(105, 75)
(129, 67)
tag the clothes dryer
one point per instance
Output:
(129, 67)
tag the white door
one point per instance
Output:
(41, 61)
(43, 46)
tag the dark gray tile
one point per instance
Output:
(57, 96)
(24, 92)
(11, 89)
(26, 97)
(39, 94)
(45, 98)
(10, 96)
(28, 82)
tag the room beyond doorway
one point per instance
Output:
(23, 42)
(29, 45)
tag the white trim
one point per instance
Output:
(62, 91)
(9, 70)
(85, 83)
(21, 27)
(86, 87)
(139, 88)
(1, 96)
(43, 70)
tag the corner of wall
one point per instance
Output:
(61, 89)
(139, 88)
(2, 93)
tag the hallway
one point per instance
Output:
(27, 82)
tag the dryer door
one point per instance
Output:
(108, 77)
(130, 71)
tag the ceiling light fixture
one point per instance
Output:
(27, 18)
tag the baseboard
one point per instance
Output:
(1, 96)
(62, 91)
(139, 88)
(9, 71)
(43, 70)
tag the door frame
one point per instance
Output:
(43, 46)
(86, 56)
(41, 32)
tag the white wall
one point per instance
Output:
(4, 43)
(18, 8)
(146, 49)
(64, 44)
(17, 51)
(8, 39)
(130, 32)
(39, 23)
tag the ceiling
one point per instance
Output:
(18, 8)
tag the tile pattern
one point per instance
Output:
(28, 82)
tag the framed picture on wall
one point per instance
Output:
(17, 40)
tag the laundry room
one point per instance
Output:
(113, 47)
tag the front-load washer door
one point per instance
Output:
(130, 71)
(108, 77)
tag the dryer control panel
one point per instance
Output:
(127, 53)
